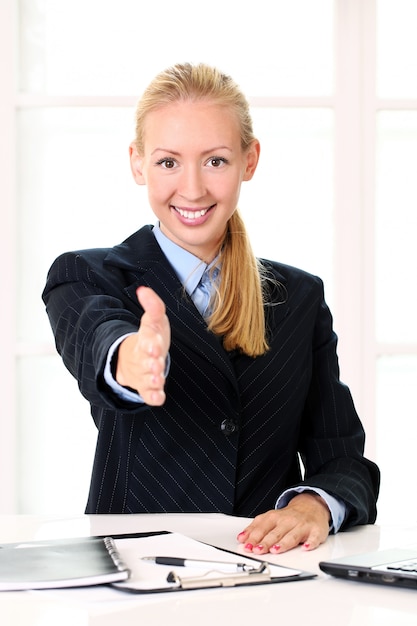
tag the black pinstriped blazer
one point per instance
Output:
(233, 428)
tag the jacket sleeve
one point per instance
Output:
(332, 436)
(88, 310)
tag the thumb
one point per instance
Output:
(151, 303)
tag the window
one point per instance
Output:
(334, 193)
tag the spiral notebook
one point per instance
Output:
(58, 564)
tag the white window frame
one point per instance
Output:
(8, 426)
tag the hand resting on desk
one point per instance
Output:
(305, 520)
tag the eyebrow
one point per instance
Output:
(175, 153)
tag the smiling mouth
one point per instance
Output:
(192, 215)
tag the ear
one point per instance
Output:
(136, 162)
(252, 158)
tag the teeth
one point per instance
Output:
(191, 215)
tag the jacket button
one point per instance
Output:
(228, 427)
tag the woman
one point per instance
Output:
(210, 373)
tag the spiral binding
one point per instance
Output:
(114, 553)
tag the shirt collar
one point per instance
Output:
(187, 266)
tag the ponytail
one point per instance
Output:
(238, 307)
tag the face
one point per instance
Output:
(193, 166)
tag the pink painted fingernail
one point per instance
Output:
(275, 548)
(306, 545)
(249, 546)
(258, 548)
(241, 535)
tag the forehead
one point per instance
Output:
(192, 120)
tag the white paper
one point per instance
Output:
(148, 576)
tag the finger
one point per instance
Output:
(263, 524)
(154, 328)
(154, 397)
(276, 532)
(309, 541)
(308, 534)
(152, 383)
(255, 529)
(279, 540)
(287, 541)
(314, 539)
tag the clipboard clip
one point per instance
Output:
(259, 574)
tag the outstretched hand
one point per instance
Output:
(142, 356)
(305, 520)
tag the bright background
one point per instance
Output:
(334, 100)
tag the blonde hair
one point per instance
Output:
(238, 304)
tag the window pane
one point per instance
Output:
(110, 48)
(396, 437)
(75, 190)
(397, 48)
(56, 439)
(288, 205)
(396, 227)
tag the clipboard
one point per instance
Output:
(183, 579)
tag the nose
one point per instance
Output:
(191, 184)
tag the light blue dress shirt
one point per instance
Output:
(190, 270)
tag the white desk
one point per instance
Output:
(323, 600)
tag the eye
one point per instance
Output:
(167, 163)
(217, 162)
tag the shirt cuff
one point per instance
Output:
(337, 507)
(120, 391)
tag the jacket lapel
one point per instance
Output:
(142, 258)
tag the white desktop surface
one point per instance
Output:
(322, 600)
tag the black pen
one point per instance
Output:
(224, 566)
